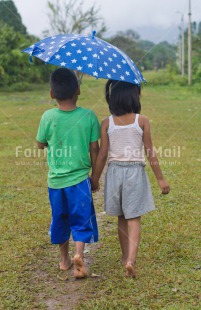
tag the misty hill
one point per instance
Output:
(159, 34)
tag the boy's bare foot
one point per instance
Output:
(130, 270)
(79, 267)
(65, 265)
(123, 260)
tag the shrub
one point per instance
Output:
(20, 86)
(180, 80)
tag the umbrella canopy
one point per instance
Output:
(88, 54)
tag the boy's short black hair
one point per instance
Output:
(122, 97)
(63, 83)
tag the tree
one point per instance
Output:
(199, 28)
(147, 59)
(14, 65)
(10, 16)
(129, 42)
(196, 51)
(70, 17)
(129, 34)
(163, 54)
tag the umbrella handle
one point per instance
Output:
(80, 80)
(93, 34)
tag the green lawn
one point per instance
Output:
(169, 258)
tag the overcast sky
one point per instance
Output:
(118, 14)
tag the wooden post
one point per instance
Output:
(189, 47)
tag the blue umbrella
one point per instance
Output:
(88, 54)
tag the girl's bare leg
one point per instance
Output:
(133, 244)
(123, 237)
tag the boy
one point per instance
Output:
(71, 135)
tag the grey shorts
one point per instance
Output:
(127, 190)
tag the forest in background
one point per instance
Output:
(17, 73)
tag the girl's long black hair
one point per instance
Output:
(122, 97)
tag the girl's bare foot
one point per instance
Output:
(65, 264)
(79, 267)
(130, 270)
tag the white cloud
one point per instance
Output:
(118, 15)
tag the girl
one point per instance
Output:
(127, 192)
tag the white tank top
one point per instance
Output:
(125, 142)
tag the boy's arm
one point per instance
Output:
(41, 146)
(102, 155)
(151, 155)
(41, 134)
(94, 149)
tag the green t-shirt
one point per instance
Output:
(68, 135)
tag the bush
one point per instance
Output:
(3, 77)
(164, 77)
(180, 80)
(197, 76)
(160, 78)
(21, 87)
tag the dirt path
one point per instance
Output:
(57, 289)
(73, 292)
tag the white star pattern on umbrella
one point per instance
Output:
(88, 54)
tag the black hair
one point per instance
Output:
(63, 83)
(122, 97)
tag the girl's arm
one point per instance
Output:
(151, 155)
(102, 156)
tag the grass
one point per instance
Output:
(169, 256)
